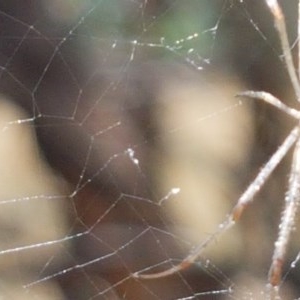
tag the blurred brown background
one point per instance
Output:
(89, 98)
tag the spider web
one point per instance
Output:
(123, 147)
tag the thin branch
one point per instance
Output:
(287, 220)
(279, 21)
(269, 98)
(237, 211)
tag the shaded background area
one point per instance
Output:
(99, 86)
